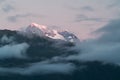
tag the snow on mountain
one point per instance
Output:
(69, 36)
(43, 31)
(54, 35)
(35, 29)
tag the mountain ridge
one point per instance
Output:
(43, 31)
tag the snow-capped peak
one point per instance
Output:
(43, 31)
(38, 26)
(54, 35)
(69, 36)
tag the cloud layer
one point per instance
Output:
(105, 48)
(41, 68)
(6, 39)
(13, 51)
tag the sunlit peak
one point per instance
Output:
(39, 26)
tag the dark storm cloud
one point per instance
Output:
(105, 48)
(81, 17)
(7, 8)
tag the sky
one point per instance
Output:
(81, 17)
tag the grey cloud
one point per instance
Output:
(2, 1)
(111, 27)
(16, 17)
(47, 68)
(111, 32)
(41, 68)
(78, 8)
(116, 3)
(80, 18)
(106, 48)
(6, 39)
(13, 51)
(87, 8)
(111, 5)
(7, 8)
(92, 51)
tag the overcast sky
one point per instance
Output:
(78, 16)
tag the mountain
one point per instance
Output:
(32, 55)
(43, 31)
(69, 36)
